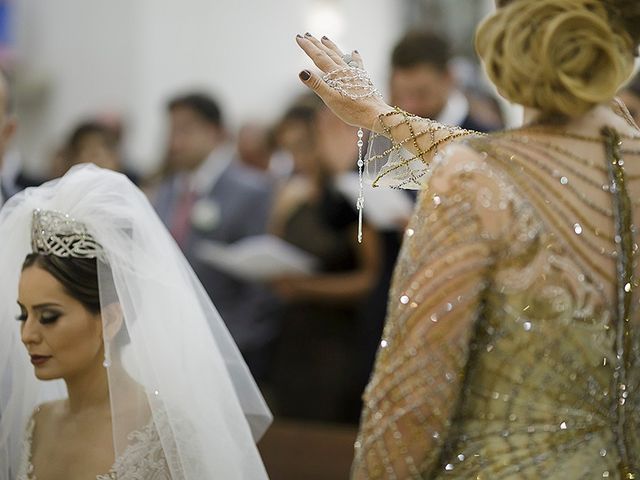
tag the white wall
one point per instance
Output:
(78, 57)
(74, 60)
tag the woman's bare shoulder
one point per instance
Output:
(48, 411)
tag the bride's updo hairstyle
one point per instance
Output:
(561, 57)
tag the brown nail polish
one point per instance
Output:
(305, 75)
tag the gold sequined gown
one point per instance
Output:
(511, 346)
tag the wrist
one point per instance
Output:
(377, 126)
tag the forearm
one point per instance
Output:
(422, 137)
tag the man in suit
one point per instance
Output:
(7, 129)
(422, 82)
(210, 197)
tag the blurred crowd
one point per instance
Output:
(309, 335)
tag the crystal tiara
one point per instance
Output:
(56, 233)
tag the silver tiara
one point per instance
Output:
(56, 233)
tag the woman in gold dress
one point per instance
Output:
(512, 347)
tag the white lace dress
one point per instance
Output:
(143, 459)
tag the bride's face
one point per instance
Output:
(62, 337)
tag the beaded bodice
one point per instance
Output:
(512, 343)
(144, 458)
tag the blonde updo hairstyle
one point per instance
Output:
(561, 57)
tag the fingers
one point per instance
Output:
(317, 54)
(336, 57)
(327, 43)
(355, 55)
(315, 83)
(325, 54)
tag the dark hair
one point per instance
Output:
(202, 104)
(421, 47)
(88, 128)
(78, 276)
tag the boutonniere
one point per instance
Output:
(205, 215)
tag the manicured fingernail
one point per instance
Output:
(356, 51)
(307, 34)
(299, 36)
(324, 37)
(305, 75)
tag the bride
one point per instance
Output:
(118, 365)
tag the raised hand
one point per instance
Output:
(344, 86)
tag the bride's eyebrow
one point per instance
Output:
(42, 306)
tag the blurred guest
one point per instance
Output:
(8, 126)
(296, 136)
(630, 95)
(485, 109)
(422, 82)
(484, 106)
(255, 146)
(209, 198)
(92, 141)
(318, 348)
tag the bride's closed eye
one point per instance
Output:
(45, 317)
(49, 317)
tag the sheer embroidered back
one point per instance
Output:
(511, 349)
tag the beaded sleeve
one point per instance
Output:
(400, 156)
(437, 295)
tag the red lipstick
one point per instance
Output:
(38, 360)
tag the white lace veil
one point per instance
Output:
(172, 359)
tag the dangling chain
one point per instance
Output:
(360, 201)
(354, 82)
